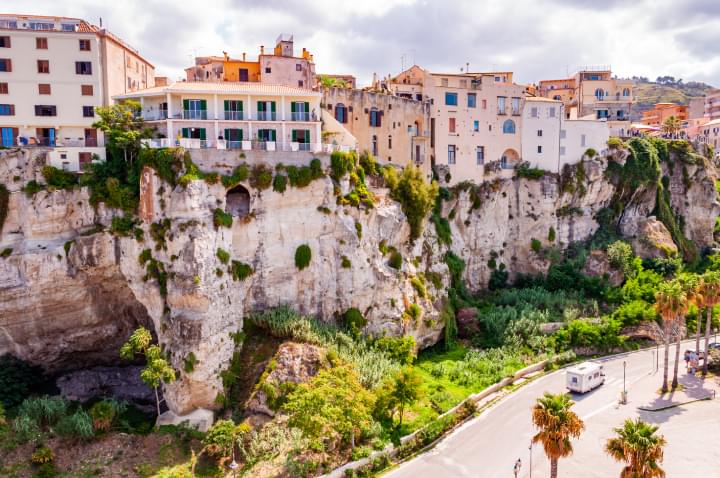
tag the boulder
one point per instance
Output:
(598, 265)
(120, 383)
(653, 240)
(200, 419)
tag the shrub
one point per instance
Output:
(122, 226)
(144, 257)
(358, 229)
(368, 163)
(551, 234)
(104, 413)
(59, 179)
(261, 177)
(535, 245)
(615, 143)
(79, 424)
(345, 262)
(280, 183)
(401, 349)
(303, 254)
(621, 256)
(414, 194)
(42, 455)
(240, 271)
(18, 379)
(222, 219)
(5, 253)
(223, 255)
(523, 170)
(341, 163)
(354, 320)
(419, 285)
(238, 175)
(498, 278)
(591, 153)
(396, 260)
(32, 187)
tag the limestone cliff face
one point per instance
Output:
(70, 300)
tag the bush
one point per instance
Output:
(345, 263)
(104, 413)
(42, 455)
(535, 245)
(396, 260)
(354, 320)
(341, 163)
(18, 379)
(280, 183)
(414, 194)
(122, 226)
(240, 271)
(590, 153)
(551, 234)
(303, 254)
(498, 278)
(621, 256)
(222, 219)
(401, 349)
(419, 285)
(615, 143)
(261, 177)
(358, 229)
(368, 163)
(223, 255)
(59, 179)
(32, 187)
(523, 170)
(238, 175)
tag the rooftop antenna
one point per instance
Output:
(402, 61)
(467, 67)
(100, 22)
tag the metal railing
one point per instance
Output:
(245, 145)
(156, 115)
(516, 112)
(300, 116)
(233, 115)
(502, 111)
(266, 116)
(194, 114)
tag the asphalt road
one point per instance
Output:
(489, 445)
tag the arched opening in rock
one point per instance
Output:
(238, 201)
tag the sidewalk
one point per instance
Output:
(692, 389)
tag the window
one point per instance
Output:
(463, 83)
(557, 98)
(515, 103)
(534, 112)
(298, 67)
(68, 27)
(84, 45)
(451, 154)
(375, 120)
(451, 99)
(539, 132)
(43, 66)
(4, 42)
(480, 155)
(7, 110)
(45, 110)
(562, 150)
(451, 125)
(268, 69)
(83, 68)
(476, 125)
(484, 104)
(551, 110)
(44, 89)
(582, 140)
(444, 82)
(602, 114)
(501, 105)
(88, 111)
(562, 134)
(539, 149)
(389, 141)
(621, 114)
(300, 83)
(626, 92)
(341, 113)
(599, 94)
(472, 100)
(41, 43)
(375, 145)
(41, 26)
(4, 89)
(86, 90)
(509, 127)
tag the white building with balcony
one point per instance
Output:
(232, 115)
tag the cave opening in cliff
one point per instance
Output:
(238, 201)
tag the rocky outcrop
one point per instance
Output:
(653, 240)
(121, 383)
(598, 265)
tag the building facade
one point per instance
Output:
(662, 111)
(232, 115)
(712, 105)
(475, 118)
(54, 72)
(394, 129)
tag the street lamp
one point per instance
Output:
(624, 395)
(516, 468)
(530, 450)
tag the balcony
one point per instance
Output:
(266, 116)
(194, 114)
(156, 115)
(234, 115)
(192, 143)
(516, 111)
(502, 110)
(300, 116)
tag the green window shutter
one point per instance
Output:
(292, 106)
(186, 105)
(202, 134)
(307, 135)
(272, 106)
(307, 107)
(227, 105)
(240, 135)
(240, 103)
(273, 133)
(203, 105)
(261, 106)
(294, 136)
(186, 132)
(227, 134)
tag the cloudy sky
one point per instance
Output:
(535, 38)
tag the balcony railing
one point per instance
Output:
(300, 116)
(156, 115)
(267, 116)
(221, 144)
(516, 112)
(502, 110)
(233, 115)
(195, 114)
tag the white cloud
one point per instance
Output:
(536, 39)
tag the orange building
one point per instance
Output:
(662, 111)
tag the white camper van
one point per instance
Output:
(585, 377)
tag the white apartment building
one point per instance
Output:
(712, 105)
(549, 141)
(232, 115)
(54, 72)
(475, 118)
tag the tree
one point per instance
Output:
(400, 391)
(415, 195)
(331, 82)
(157, 370)
(690, 283)
(557, 423)
(222, 438)
(670, 302)
(639, 447)
(711, 295)
(124, 129)
(672, 125)
(333, 406)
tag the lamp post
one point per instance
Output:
(516, 468)
(530, 450)
(624, 400)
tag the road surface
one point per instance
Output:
(488, 446)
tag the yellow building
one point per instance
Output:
(662, 111)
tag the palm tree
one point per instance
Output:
(557, 424)
(672, 125)
(670, 301)
(639, 447)
(711, 289)
(691, 284)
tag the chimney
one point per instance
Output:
(243, 56)
(262, 50)
(225, 55)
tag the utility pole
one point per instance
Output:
(530, 448)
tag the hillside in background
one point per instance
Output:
(664, 90)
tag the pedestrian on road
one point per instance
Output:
(687, 359)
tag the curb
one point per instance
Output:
(667, 407)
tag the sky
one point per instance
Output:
(537, 39)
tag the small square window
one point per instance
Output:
(41, 43)
(476, 125)
(44, 89)
(4, 42)
(88, 111)
(4, 89)
(83, 68)
(84, 45)
(86, 90)
(43, 66)
(539, 149)
(268, 69)
(539, 132)
(298, 67)
(300, 83)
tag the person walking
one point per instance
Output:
(686, 357)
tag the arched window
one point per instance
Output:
(599, 94)
(557, 98)
(626, 92)
(509, 127)
(341, 113)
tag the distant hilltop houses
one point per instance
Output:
(464, 126)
